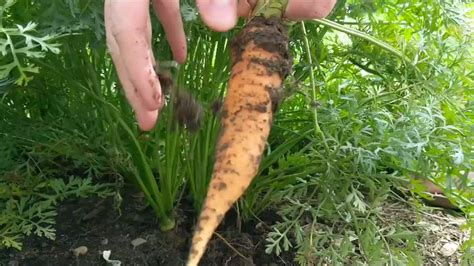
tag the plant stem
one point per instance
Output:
(366, 37)
(167, 223)
(358, 232)
(15, 58)
(314, 90)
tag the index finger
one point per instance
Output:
(170, 17)
(308, 9)
(219, 15)
(130, 26)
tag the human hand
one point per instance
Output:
(128, 32)
(296, 9)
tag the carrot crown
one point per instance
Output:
(270, 8)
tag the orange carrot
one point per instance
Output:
(261, 61)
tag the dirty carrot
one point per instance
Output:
(260, 63)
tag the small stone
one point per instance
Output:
(104, 241)
(80, 251)
(138, 218)
(106, 256)
(449, 249)
(138, 241)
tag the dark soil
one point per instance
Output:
(95, 223)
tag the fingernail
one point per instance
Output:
(220, 15)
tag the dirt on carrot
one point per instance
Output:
(187, 111)
(260, 63)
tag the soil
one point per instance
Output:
(95, 224)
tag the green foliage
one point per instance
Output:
(30, 208)
(380, 97)
(379, 122)
(206, 79)
(39, 168)
(83, 73)
(18, 44)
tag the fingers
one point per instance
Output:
(128, 39)
(170, 17)
(130, 22)
(219, 15)
(308, 9)
(244, 7)
(146, 118)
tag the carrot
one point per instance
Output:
(260, 63)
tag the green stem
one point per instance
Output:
(15, 58)
(314, 90)
(366, 37)
(389, 48)
(167, 223)
(143, 175)
(358, 231)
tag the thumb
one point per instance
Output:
(219, 15)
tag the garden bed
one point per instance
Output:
(95, 223)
